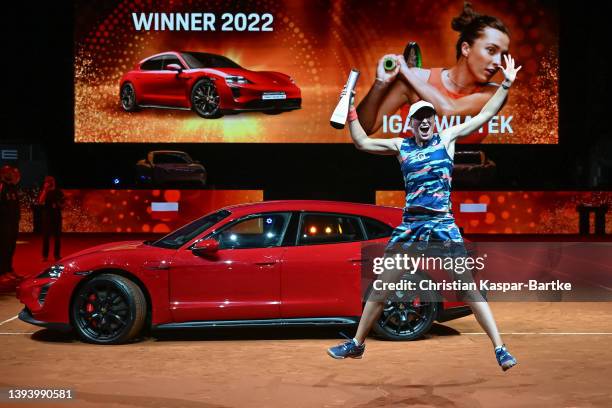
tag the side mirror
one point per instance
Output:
(205, 247)
(174, 67)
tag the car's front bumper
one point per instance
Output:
(26, 316)
(47, 300)
(253, 97)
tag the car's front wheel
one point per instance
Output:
(109, 309)
(205, 100)
(128, 97)
(405, 316)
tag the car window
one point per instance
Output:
(171, 59)
(178, 238)
(153, 64)
(376, 229)
(170, 158)
(205, 60)
(328, 228)
(261, 231)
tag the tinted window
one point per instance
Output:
(204, 60)
(256, 232)
(170, 158)
(153, 64)
(181, 236)
(171, 59)
(376, 229)
(327, 229)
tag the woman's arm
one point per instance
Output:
(468, 105)
(368, 144)
(449, 135)
(385, 96)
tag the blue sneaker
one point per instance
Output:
(347, 349)
(504, 358)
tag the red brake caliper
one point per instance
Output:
(89, 307)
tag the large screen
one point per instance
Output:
(266, 71)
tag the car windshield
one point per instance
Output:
(205, 60)
(178, 238)
(170, 158)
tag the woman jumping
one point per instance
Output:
(426, 162)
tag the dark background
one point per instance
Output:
(38, 109)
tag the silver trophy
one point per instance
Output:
(338, 118)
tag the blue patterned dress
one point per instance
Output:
(427, 215)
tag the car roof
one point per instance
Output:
(158, 54)
(316, 205)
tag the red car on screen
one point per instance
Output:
(209, 84)
(285, 263)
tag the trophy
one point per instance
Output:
(338, 118)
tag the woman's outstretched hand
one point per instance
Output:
(510, 71)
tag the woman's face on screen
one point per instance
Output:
(484, 56)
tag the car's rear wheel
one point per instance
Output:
(128, 97)
(405, 316)
(109, 309)
(205, 100)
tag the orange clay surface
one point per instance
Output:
(453, 367)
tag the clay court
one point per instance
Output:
(562, 348)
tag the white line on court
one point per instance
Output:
(8, 320)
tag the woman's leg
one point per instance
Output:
(371, 312)
(57, 232)
(374, 306)
(46, 233)
(485, 318)
(375, 303)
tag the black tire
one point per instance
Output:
(109, 309)
(205, 100)
(405, 318)
(127, 97)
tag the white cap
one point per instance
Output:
(418, 106)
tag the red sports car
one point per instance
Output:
(285, 263)
(209, 84)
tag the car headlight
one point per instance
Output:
(54, 272)
(236, 79)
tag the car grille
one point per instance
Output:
(235, 92)
(43, 293)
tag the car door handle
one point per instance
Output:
(264, 263)
(158, 266)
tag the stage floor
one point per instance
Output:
(563, 351)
